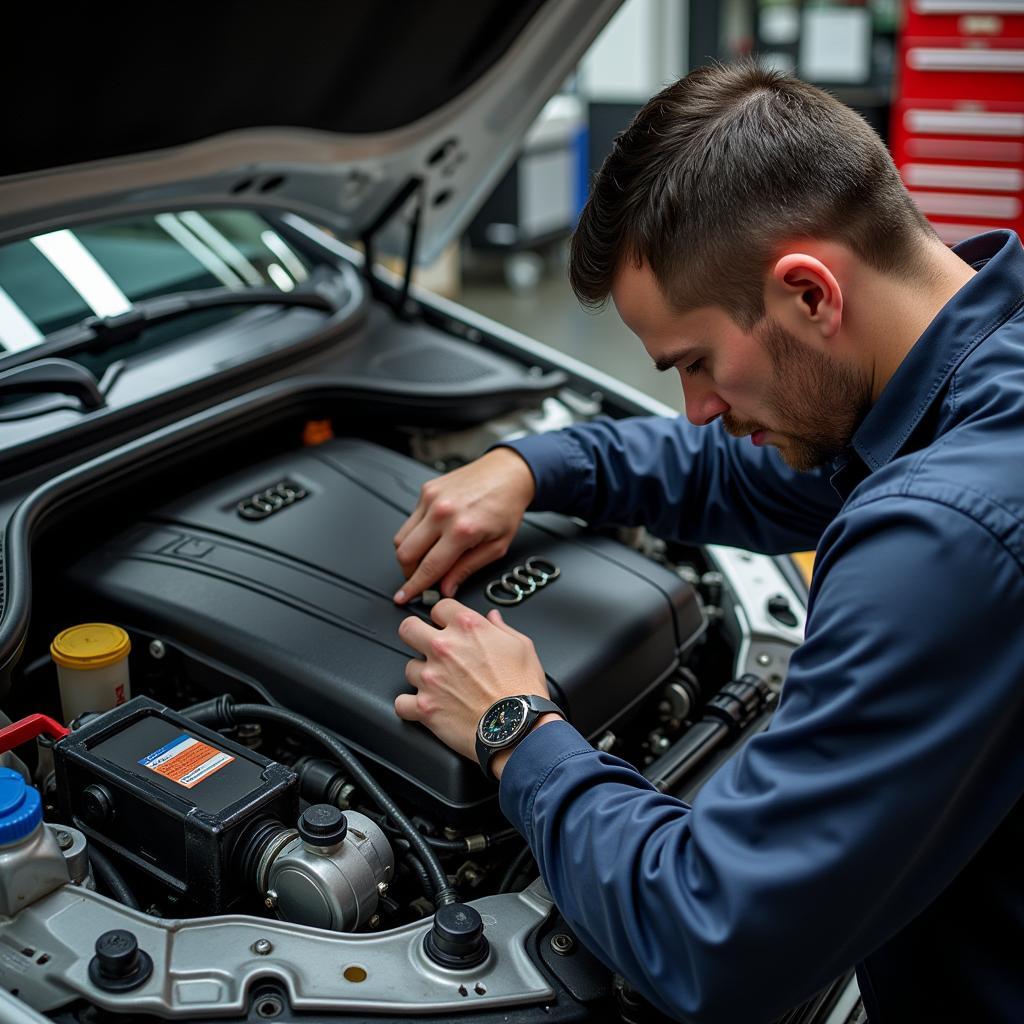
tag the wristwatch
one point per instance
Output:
(506, 722)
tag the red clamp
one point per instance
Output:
(28, 728)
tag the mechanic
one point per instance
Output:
(862, 387)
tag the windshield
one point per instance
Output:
(57, 279)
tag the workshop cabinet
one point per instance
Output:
(957, 132)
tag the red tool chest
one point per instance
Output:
(957, 132)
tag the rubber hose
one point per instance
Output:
(234, 713)
(208, 712)
(514, 869)
(454, 846)
(418, 869)
(111, 879)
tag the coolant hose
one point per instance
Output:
(515, 869)
(111, 879)
(231, 714)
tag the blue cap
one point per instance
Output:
(21, 807)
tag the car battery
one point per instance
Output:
(174, 799)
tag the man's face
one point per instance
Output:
(765, 383)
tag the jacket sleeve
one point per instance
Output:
(694, 484)
(892, 757)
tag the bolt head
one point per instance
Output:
(382, 888)
(764, 659)
(64, 839)
(262, 947)
(157, 649)
(562, 944)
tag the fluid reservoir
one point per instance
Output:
(92, 667)
(31, 862)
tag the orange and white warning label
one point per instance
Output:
(186, 760)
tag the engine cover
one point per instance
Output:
(284, 573)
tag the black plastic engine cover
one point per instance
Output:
(300, 599)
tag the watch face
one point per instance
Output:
(503, 721)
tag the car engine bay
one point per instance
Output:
(253, 831)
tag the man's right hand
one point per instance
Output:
(464, 520)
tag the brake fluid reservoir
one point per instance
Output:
(31, 863)
(92, 667)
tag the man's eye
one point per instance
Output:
(694, 367)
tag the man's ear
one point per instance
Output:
(804, 290)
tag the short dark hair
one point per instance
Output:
(721, 168)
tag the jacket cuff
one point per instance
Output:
(529, 767)
(561, 470)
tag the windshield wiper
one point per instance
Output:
(98, 333)
(53, 376)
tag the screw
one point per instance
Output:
(262, 947)
(64, 839)
(157, 649)
(382, 888)
(562, 944)
(764, 659)
(271, 901)
(374, 921)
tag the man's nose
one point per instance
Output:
(701, 404)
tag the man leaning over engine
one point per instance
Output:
(861, 390)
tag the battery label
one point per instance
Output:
(186, 760)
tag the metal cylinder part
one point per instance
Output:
(332, 886)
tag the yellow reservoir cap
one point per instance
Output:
(90, 645)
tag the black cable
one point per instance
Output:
(208, 712)
(514, 869)
(112, 879)
(418, 869)
(490, 839)
(465, 845)
(234, 713)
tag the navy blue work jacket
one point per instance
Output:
(879, 821)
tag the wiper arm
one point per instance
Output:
(53, 376)
(98, 333)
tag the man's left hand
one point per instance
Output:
(469, 662)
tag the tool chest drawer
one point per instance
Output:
(957, 131)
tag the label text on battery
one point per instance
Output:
(186, 760)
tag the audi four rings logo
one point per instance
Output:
(515, 586)
(273, 499)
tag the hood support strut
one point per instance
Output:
(399, 303)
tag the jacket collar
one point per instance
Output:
(969, 317)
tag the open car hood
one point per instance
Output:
(345, 113)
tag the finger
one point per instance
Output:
(498, 620)
(407, 707)
(418, 541)
(403, 531)
(468, 563)
(437, 561)
(446, 610)
(414, 672)
(416, 634)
